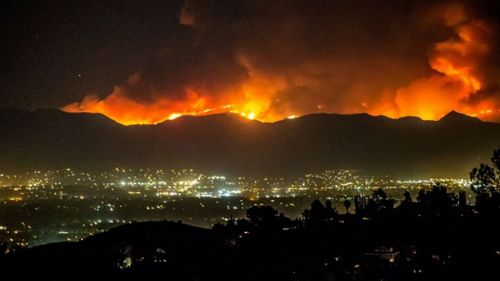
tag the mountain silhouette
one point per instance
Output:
(229, 144)
(454, 116)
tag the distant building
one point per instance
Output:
(383, 254)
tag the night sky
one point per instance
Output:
(147, 61)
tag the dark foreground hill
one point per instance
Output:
(436, 237)
(226, 143)
(109, 254)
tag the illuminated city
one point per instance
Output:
(70, 205)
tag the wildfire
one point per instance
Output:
(251, 100)
(128, 112)
(174, 116)
(456, 62)
(457, 79)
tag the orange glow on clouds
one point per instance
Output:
(250, 100)
(456, 79)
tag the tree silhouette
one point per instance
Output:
(317, 210)
(380, 201)
(436, 201)
(422, 196)
(483, 180)
(496, 159)
(261, 214)
(407, 202)
(407, 196)
(379, 195)
(330, 211)
(440, 200)
(462, 199)
(347, 205)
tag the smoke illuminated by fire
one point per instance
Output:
(456, 81)
(250, 101)
(457, 78)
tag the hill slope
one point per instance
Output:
(227, 143)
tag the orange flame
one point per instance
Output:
(457, 78)
(456, 62)
(250, 100)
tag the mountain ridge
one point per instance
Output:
(231, 144)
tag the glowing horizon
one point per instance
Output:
(456, 81)
(175, 116)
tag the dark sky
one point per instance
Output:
(270, 58)
(47, 44)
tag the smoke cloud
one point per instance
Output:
(273, 59)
